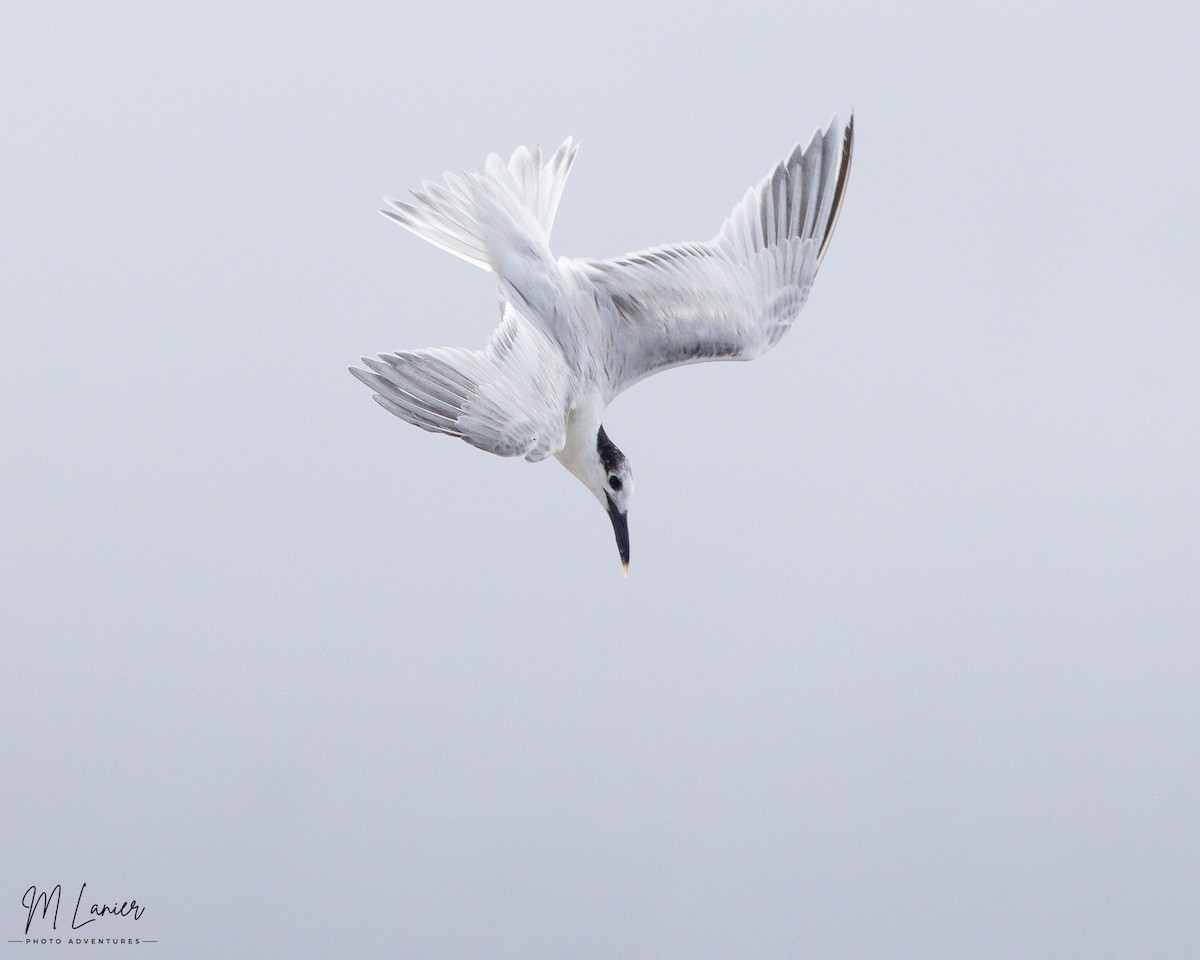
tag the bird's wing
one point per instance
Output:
(510, 398)
(736, 295)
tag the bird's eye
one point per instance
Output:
(614, 481)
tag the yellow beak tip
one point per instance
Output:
(625, 570)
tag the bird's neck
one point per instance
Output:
(579, 452)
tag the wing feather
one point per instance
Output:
(511, 398)
(735, 296)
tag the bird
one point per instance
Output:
(575, 333)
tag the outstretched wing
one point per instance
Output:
(511, 398)
(735, 296)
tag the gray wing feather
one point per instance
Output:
(510, 399)
(735, 296)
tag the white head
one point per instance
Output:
(604, 470)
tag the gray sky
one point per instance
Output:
(907, 662)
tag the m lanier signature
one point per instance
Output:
(33, 899)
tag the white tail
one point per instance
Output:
(455, 217)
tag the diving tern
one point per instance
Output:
(575, 333)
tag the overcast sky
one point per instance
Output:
(907, 662)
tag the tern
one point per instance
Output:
(574, 333)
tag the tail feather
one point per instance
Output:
(452, 216)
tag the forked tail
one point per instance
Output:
(461, 215)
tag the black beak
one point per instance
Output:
(620, 522)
